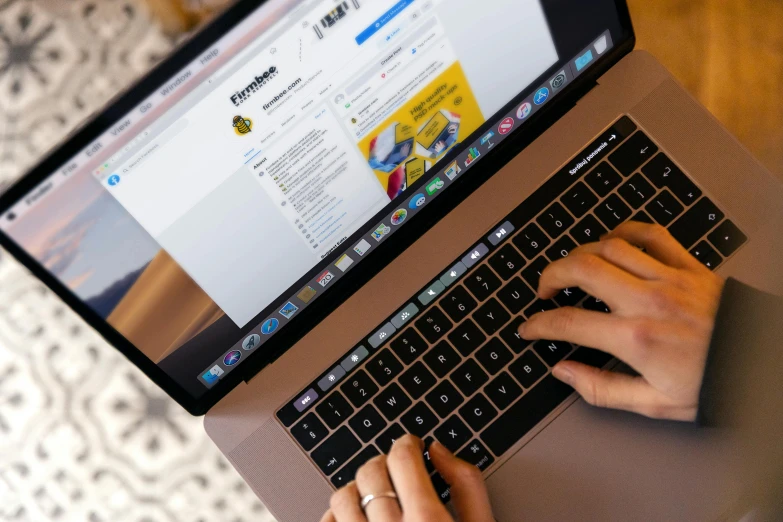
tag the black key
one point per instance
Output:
(579, 200)
(569, 296)
(384, 367)
(707, 255)
(478, 412)
(309, 431)
(334, 410)
(467, 337)
(552, 351)
(516, 295)
(555, 220)
(531, 241)
(469, 377)
(427, 458)
(527, 369)
(590, 357)
(532, 273)
(417, 380)
(664, 209)
(409, 346)
(540, 305)
(510, 335)
(477, 454)
(596, 305)
(453, 434)
(642, 217)
(458, 304)
(336, 450)
(507, 262)
(561, 249)
(444, 399)
(367, 423)
(419, 420)
(525, 414)
(503, 390)
(492, 316)
(727, 238)
(637, 191)
(387, 439)
(664, 173)
(359, 389)
(589, 230)
(392, 401)
(696, 222)
(613, 212)
(348, 473)
(494, 356)
(603, 179)
(482, 283)
(442, 489)
(433, 325)
(633, 153)
(442, 359)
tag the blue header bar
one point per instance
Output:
(387, 17)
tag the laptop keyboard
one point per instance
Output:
(450, 365)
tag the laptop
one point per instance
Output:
(320, 223)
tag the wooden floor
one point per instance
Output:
(729, 55)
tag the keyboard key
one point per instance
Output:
(358, 355)
(525, 414)
(387, 439)
(507, 262)
(510, 335)
(569, 296)
(527, 369)
(540, 305)
(442, 489)
(467, 337)
(532, 273)
(417, 380)
(478, 412)
(637, 191)
(642, 217)
(492, 316)
(392, 402)
(494, 356)
(664, 209)
(561, 249)
(579, 200)
(552, 351)
(334, 410)
(475, 255)
(469, 377)
(531, 241)
(336, 450)
(367, 423)
(664, 173)
(348, 473)
(442, 359)
(516, 295)
(633, 153)
(613, 212)
(727, 238)
(503, 391)
(409, 346)
(444, 399)
(696, 222)
(458, 304)
(482, 283)
(453, 274)
(331, 378)
(453, 434)
(419, 420)
(603, 179)
(477, 454)
(501, 233)
(404, 316)
(427, 458)
(590, 357)
(555, 220)
(359, 389)
(433, 325)
(435, 289)
(589, 230)
(309, 431)
(596, 305)
(707, 255)
(384, 367)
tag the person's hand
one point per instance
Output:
(404, 474)
(663, 305)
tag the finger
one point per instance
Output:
(622, 254)
(346, 505)
(410, 478)
(657, 241)
(373, 479)
(468, 491)
(328, 517)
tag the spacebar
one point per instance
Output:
(525, 414)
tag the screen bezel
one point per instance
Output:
(387, 251)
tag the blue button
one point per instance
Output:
(584, 60)
(387, 17)
(541, 96)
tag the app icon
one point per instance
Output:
(434, 186)
(473, 155)
(289, 310)
(399, 216)
(362, 247)
(558, 81)
(324, 278)
(488, 139)
(113, 180)
(381, 231)
(541, 96)
(344, 262)
(601, 44)
(524, 111)
(451, 172)
(419, 199)
(584, 60)
(213, 374)
(242, 125)
(251, 341)
(306, 294)
(269, 326)
(232, 358)
(506, 125)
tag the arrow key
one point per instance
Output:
(707, 255)
(727, 238)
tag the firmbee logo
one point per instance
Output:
(240, 97)
(242, 125)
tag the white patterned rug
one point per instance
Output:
(84, 436)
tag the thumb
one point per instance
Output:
(468, 492)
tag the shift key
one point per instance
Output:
(696, 223)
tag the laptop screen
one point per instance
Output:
(242, 189)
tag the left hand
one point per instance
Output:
(403, 472)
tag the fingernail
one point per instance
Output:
(521, 329)
(564, 374)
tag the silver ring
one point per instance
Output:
(369, 498)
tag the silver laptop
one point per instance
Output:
(320, 223)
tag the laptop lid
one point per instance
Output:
(221, 207)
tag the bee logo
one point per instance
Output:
(242, 125)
